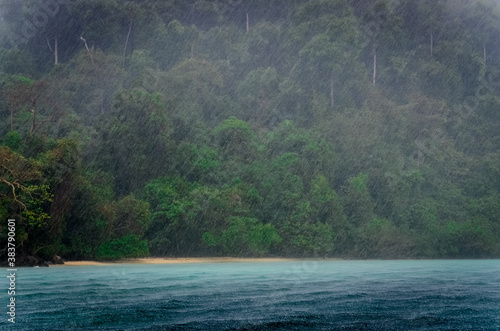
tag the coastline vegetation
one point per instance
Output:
(321, 128)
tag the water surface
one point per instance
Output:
(319, 295)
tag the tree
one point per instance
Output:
(379, 238)
(258, 95)
(244, 236)
(132, 217)
(218, 127)
(358, 204)
(194, 86)
(381, 30)
(235, 139)
(140, 128)
(22, 187)
(308, 239)
(38, 191)
(126, 247)
(25, 95)
(89, 84)
(482, 17)
(331, 44)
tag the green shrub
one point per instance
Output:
(124, 247)
(244, 236)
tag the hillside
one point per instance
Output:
(321, 128)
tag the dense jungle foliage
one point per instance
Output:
(355, 129)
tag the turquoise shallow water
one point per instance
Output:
(309, 295)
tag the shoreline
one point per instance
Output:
(184, 260)
(224, 259)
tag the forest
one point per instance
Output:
(324, 128)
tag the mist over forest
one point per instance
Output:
(321, 128)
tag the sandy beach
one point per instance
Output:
(159, 260)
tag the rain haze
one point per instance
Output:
(250, 164)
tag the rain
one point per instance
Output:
(308, 153)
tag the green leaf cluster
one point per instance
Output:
(356, 129)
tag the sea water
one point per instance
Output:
(299, 295)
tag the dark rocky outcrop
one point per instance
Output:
(33, 261)
(57, 260)
(30, 261)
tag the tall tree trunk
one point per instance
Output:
(87, 48)
(56, 49)
(126, 42)
(33, 111)
(484, 53)
(432, 43)
(248, 23)
(33, 122)
(374, 65)
(332, 99)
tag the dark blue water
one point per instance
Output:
(324, 295)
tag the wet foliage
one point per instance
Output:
(357, 129)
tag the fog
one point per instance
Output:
(263, 164)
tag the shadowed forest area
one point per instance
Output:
(321, 128)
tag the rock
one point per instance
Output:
(57, 260)
(33, 261)
(28, 261)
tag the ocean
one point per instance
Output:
(292, 295)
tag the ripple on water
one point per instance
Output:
(252, 296)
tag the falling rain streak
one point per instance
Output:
(305, 129)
